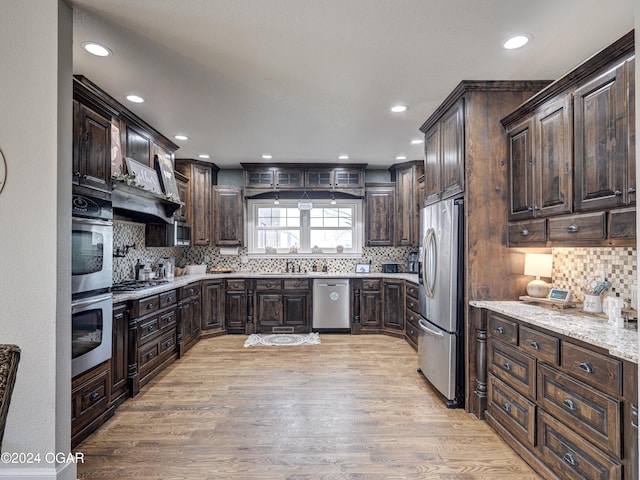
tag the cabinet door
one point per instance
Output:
(181, 213)
(394, 305)
(229, 217)
(553, 159)
(600, 142)
(296, 311)
(259, 178)
(236, 311)
(269, 311)
(521, 161)
(320, 178)
(213, 296)
(185, 323)
(95, 150)
(200, 208)
(137, 145)
(452, 144)
(380, 212)
(630, 70)
(119, 354)
(432, 165)
(370, 309)
(406, 218)
(285, 178)
(347, 178)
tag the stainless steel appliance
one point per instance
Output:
(331, 304)
(412, 262)
(91, 244)
(440, 341)
(91, 320)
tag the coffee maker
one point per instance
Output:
(412, 262)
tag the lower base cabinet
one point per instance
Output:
(283, 306)
(566, 407)
(90, 402)
(119, 354)
(235, 306)
(213, 308)
(189, 317)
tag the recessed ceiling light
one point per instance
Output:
(401, 157)
(417, 141)
(96, 49)
(516, 42)
(135, 99)
(203, 155)
(267, 156)
(181, 137)
(343, 157)
(399, 108)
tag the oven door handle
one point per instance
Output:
(85, 302)
(92, 221)
(426, 329)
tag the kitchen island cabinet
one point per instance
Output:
(567, 406)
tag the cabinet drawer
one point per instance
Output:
(235, 285)
(167, 343)
(512, 410)
(371, 284)
(542, 346)
(503, 329)
(268, 284)
(412, 327)
(297, 284)
(148, 328)
(167, 319)
(90, 396)
(602, 372)
(147, 355)
(147, 305)
(412, 304)
(413, 290)
(590, 413)
(567, 229)
(622, 223)
(570, 455)
(527, 232)
(168, 298)
(513, 367)
(189, 291)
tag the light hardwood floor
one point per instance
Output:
(353, 407)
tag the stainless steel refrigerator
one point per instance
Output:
(440, 341)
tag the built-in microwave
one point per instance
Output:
(175, 234)
(91, 328)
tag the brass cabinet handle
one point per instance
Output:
(587, 367)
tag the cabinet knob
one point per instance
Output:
(570, 404)
(149, 306)
(167, 343)
(570, 458)
(631, 191)
(535, 345)
(530, 209)
(94, 396)
(149, 355)
(500, 330)
(235, 285)
(268, 285)
(507, 407)
(573, 228)
(507, 366)
(524, 232)
(169, 299)
(76, 174)
(617, 193)
(587, 367)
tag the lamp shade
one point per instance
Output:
(538, 264)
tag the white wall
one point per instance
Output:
(35, 293)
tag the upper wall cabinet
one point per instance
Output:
(228, 208)
(408, 202)
(572, 150)
(259, 179)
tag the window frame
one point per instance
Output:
(357, 228)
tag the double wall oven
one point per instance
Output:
(91, 267)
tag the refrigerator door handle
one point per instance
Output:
(425, 328)
(430, 263)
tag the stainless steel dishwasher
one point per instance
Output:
(331, 304)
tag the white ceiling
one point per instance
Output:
(307, 80)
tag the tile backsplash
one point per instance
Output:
(128, 233)
(573, 267)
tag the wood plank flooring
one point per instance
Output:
(353, 407)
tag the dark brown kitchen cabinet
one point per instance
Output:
(182, 183)
(371, 307)
(201, 176)
(235, 306)
(540, 162)
(213, 307)
(334, 178)
(91, 147)
(412, 313)
(380, 214)
(394, 305)
(90, 402)
(228, 208)
(273, 178)
(283, 306)
(601, 131)
(189, 317)
(407, 203)
(119, 354)
(137, 144)
(444, 154)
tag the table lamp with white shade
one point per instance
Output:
(538, 265)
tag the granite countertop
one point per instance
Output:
(178, 282)
(620, 342)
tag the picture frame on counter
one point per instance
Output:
(363, 268)
(146, 177)
(164, 168)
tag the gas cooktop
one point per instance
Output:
(136, 285)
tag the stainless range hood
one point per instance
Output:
(139, 205)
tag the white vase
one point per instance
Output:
(592, 303)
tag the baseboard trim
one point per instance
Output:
(66, 471)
